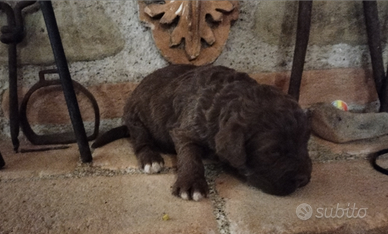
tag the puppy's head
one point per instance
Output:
(278, 165)
(270, 151)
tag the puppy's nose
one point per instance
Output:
(302, 180)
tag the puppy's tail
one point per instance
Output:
(111, 135)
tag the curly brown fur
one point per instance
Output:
(195, 111)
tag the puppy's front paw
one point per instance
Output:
(190, 188)
(155, 167)
(151, 162)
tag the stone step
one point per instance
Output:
(52, 192)
(342, 197)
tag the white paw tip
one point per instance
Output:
(156, 167)
(184, 196)
(197, 196)
(147, 168)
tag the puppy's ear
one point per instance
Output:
(230, 143)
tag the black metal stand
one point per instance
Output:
(374, 41)
(302, 39)
(12, 34)
(67, 85)
(2, 163)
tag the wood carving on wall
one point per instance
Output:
(190, 31)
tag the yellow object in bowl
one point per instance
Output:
(340, 105)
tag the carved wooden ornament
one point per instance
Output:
(191, 31)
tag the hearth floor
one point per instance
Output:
(52, 192)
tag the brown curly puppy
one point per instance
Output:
(196, 111)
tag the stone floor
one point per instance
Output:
(52, 192)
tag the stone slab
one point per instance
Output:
(37, 164)
(119, 155)
(334, 187)
(335, 125)
(120, 204)
(322, 150)
(53, 193)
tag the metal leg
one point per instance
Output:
(302, 39)
(64, 74)
(12, 34)
(374, 41)
(13, 97)
(2, 163)
(8, 37)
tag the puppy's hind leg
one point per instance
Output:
(191, 182)
(146, 152)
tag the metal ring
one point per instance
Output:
(57, 138)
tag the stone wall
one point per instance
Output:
(110, 50)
